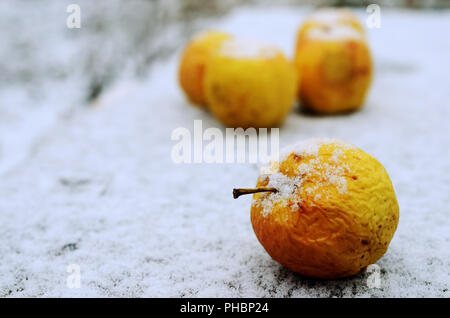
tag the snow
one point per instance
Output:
(100, 190)
(336, 34)
(247, 49)
(286, 192)
(331, 172)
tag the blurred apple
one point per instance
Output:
(193, 63)
(336, 69)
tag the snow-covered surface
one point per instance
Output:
(332, 173)
(100, 190)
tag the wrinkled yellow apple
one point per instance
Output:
(336, 69)
(193, 63)
(334, 212)
(248, 84)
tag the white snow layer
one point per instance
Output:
(102, 192)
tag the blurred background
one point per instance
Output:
(47, 69)
(85, 122)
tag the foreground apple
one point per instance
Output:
(326, 209)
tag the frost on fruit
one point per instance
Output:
(333, 211)
(310, 147)
(330, 15)
(336, 34)
(238, 48)
(331, 172)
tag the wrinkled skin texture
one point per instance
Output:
(250, 92)
(193, 64)
(329, 234)
(336, 73)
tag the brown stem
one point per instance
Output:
(238, 192)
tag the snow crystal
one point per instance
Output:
(287, 188)
(330, 174)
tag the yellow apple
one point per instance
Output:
(249, 84)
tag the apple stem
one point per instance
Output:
(238, 192)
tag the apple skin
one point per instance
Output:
(334, 61)
(193, 64)
(325, 18)
(339, 217)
